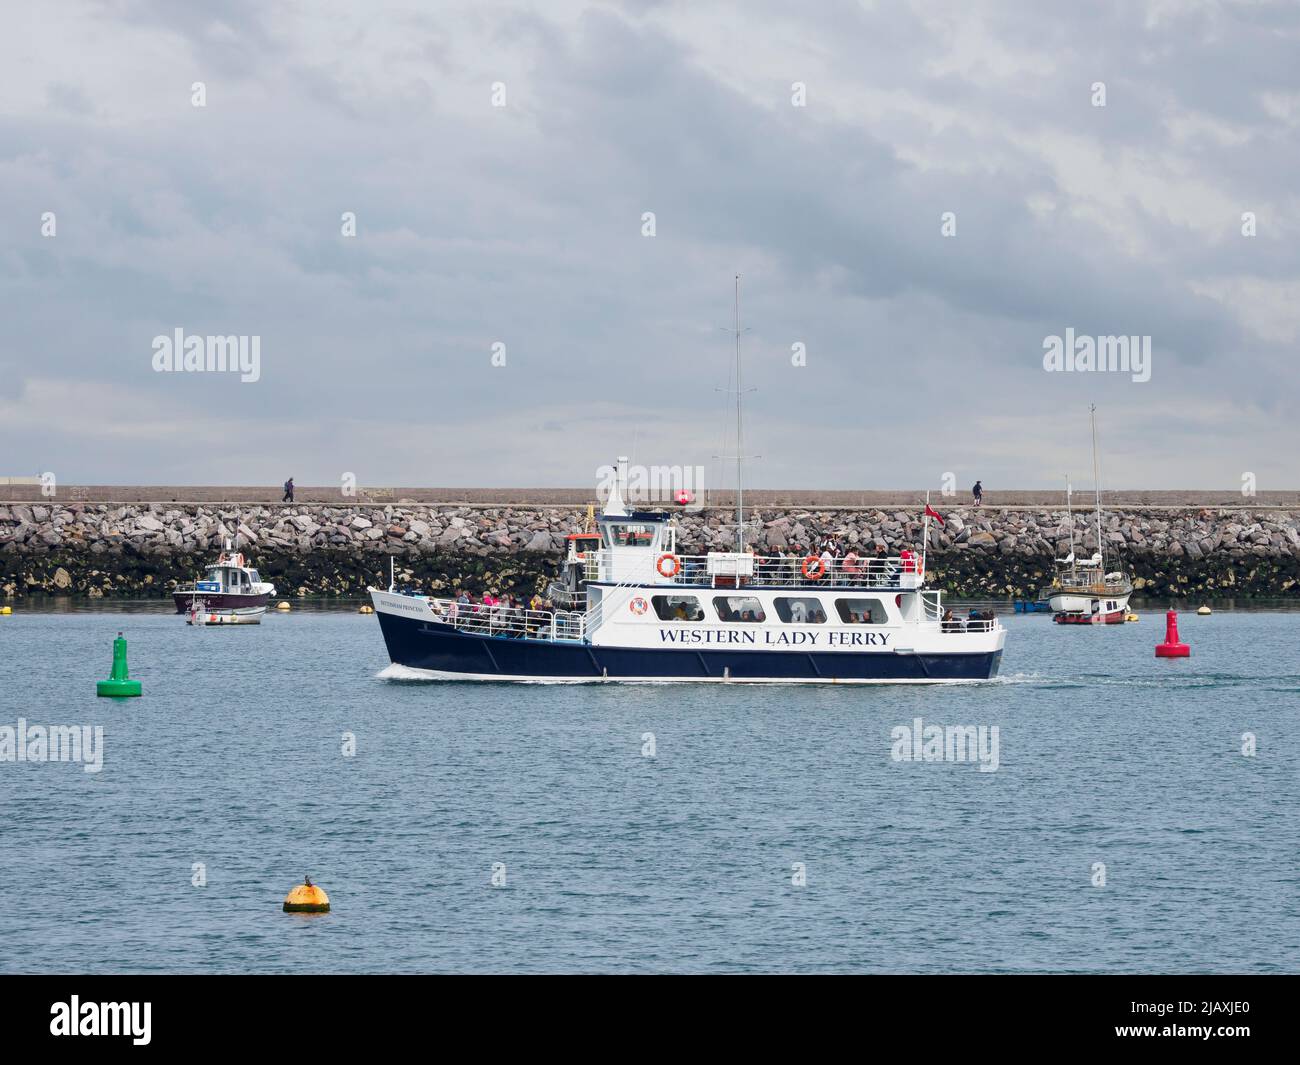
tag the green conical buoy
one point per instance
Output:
(119, 683)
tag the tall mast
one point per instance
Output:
(1069, 513)
(1096, 480)
(740, 438)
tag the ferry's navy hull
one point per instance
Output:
(440, 649)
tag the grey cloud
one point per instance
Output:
(523, 226)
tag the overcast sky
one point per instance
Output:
(523, 225)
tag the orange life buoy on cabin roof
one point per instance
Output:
(674, 565)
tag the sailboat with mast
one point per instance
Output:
(1084, 591)
(637, 609)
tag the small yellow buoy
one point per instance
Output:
(366, 608)
(6, 610)
(307, 898)
(1130, 617)
(283, 606)
(1203, 611)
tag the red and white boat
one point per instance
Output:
(1087, 595)
(1084, 592)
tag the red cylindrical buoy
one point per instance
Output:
(1171, 648)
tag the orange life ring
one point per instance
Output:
(674, 565)
(814, 568)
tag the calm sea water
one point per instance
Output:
(617, 861)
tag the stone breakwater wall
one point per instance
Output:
(144, 550)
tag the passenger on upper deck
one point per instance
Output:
(851, 566)
(793, 559)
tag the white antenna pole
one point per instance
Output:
(392, 581)
(1069, 514)
(740, 437)
(1096, 478)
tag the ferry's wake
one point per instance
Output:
(395, 672)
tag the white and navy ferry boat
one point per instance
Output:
(639, 610)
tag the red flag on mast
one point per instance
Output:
(930, 512)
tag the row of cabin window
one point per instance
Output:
(747, 609)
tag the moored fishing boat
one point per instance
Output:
(230, 593)
(1088, 595)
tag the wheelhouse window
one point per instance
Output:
(861, 611)
(626, 534)
(802, 611)
(743, 608)
(677, 608)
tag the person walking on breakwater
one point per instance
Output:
(978, 493)
(288, 491)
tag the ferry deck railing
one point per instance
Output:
(774, 571)
(932, 609)
(550, 625)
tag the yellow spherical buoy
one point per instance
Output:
(366, 608)
(1130, 617)
(1203, 611)
(6, 610)
(283, 606)
(307, 898)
